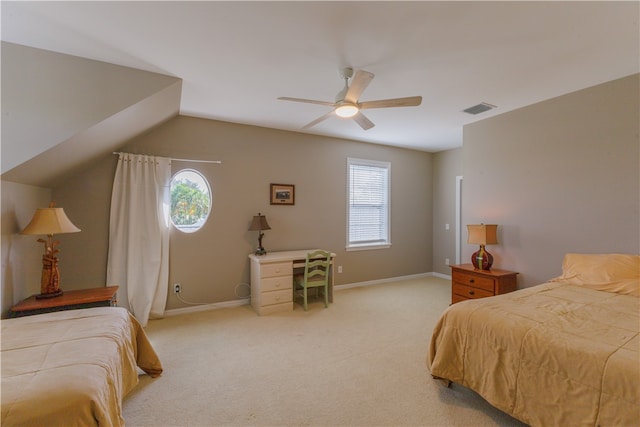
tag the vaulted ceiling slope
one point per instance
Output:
(60, 111)
(237, 57)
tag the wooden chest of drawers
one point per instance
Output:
(469, 283)
(271, 286)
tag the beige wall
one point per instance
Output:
(21, 255)
(212, 264)
(447, 165)
(558, 176)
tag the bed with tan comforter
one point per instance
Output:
(72, 367)
(564, 352)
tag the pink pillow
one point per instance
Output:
(619, 273)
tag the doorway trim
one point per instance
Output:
(458, 219)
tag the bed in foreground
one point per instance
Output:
(564, 352)
(72, 367)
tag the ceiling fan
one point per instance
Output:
(347, 100)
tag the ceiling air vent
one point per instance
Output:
(480, 108)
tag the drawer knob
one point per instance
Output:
(471, 293)
(471, 280)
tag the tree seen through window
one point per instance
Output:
(190, 200)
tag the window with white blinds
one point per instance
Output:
(368, 204)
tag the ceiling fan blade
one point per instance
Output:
(318, 120)
(308, 101)
(359, 83)
(363, 121)
(411, 101)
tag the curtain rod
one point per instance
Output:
(186, 160)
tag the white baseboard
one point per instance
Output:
(381, 281)
(205, 307)
(442, 276)
(245, 301)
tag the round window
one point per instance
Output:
(190, 200)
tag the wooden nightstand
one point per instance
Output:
(470, 283)
(69, 300)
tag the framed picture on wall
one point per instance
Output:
(282, 194)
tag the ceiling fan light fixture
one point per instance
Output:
(346, 110)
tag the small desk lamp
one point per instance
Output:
(259, 223)
(482, 234)
(50, 221)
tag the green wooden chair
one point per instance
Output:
(316, 275)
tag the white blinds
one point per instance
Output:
(368, 205)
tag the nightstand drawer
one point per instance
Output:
(470, 292)
(276, 297)
(468, 282)
(276, 269)
(277, 283)
(486, 283)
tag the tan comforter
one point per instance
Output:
(72, 368)
(550, 355)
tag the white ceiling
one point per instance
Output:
(236, 58)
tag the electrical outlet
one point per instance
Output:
(177, 287)
(339, 269)
(446, 261)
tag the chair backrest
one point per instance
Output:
(316, 267)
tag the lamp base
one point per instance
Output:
(481, 259)
(50, 295)
(261, 251)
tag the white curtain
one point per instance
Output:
(139, 234)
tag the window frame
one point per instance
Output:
(385, 241)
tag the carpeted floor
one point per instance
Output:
(360, 362)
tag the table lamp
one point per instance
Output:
(50, 221)
(258, 224)
(482, 234)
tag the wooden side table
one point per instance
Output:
(468, 282)
(69, 300)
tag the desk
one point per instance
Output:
(272, 279)
(69, 300)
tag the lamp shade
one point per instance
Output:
(259, 223)
(50, 221)
(482, 234)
